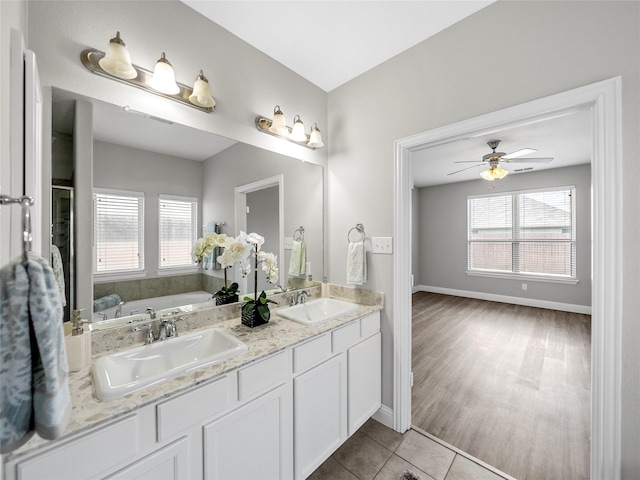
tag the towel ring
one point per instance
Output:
(360, 229)
(300, 232)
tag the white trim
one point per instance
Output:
(384, 415)
(493, 297)
(115, 276)
(604, 100)
(168, 271)
(523, 276)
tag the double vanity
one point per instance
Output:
(220, 400)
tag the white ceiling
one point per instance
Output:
(565, 138)
(329, 42)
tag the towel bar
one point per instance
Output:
(27, 237)
(300, 232)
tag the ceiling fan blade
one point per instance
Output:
(519, 153)
(531, 160)
(467, 161)
(473, 166)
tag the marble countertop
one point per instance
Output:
(88, 411)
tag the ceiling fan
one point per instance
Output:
(493, 160)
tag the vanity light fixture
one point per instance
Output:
(164, 80)
(116, 65)
(202, 92)
(278, 128)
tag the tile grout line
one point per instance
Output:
(457, 451)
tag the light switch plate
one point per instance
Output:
(382, 245)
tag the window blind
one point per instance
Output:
(530, 232)
(178, 230)
(119, 231)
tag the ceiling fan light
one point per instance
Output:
(164, 80)
(488, 175)
(297, 132)
(499, 173)
(117, 61)
(279, 124)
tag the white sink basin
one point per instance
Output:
(120, 374)
(316, 312)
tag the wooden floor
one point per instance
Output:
(508, 384)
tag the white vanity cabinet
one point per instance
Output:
(278, 417)
(336, 388)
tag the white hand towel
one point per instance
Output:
(357, 263)
(298, 260)
(33, 371)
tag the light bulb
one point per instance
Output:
(297, 132)
(117, 61)
(278, 124)
(201, 95)
(164, 80)
(315, 139)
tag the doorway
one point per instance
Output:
(604, 98)
(259, 207)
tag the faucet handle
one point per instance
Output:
(145, 328)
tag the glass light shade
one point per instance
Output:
(499, 173)
(297, 132)
(164, 80)
(315, 139)
(488, 175)
(117, 61)
(279, 124)
(201, 95)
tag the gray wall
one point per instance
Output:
(126, 168)
(242, 164)
(262, 204)
(443, 237)
(537, 49)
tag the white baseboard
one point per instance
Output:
(527, 302)
(384, 415)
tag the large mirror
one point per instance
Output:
(235, 187)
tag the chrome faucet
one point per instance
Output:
(150, 338)
(152, 313)
(119, 310)
(302, 296)
(166, 329)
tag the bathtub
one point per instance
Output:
(136, 309)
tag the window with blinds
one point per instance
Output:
(178, 230)
(119, 231)
(527, 233)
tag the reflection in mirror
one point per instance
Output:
(134, 154)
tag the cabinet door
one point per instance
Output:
(167, 463)
(254, 441)
(320, 403)
(365, 365)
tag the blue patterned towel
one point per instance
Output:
(34, 389)
(105, 302)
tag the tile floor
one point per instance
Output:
(376, 452)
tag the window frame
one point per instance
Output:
(516, 240)
(128, 273)
(187, 267)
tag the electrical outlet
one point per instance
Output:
(524, 286)
(382, 245)
(288, 243)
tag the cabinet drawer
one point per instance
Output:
(87, 457)
(343, 337)
(174, 415)
(369, 325)
(264, 374)
(311, 353)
